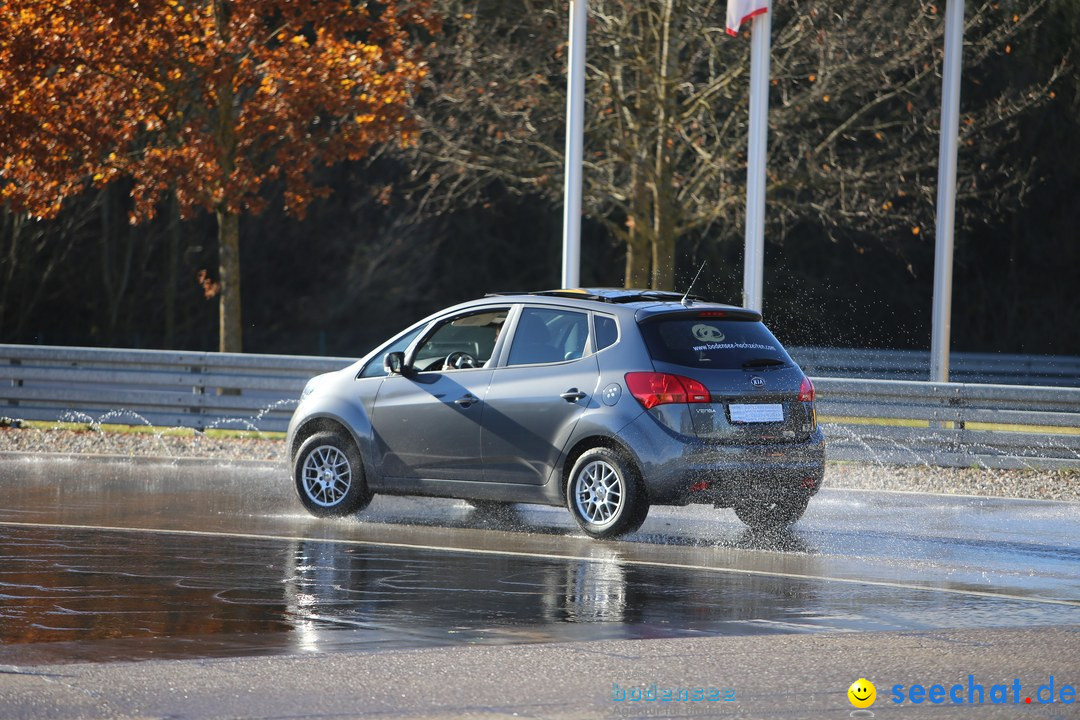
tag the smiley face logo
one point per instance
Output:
(862, 693)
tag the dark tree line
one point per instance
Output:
(474, 207)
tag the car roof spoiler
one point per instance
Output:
(608, 295)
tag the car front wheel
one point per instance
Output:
(605, 494)
(329, 475)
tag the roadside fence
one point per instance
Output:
(901, 422)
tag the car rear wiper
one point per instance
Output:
(762, 363)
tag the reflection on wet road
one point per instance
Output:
(200, 559)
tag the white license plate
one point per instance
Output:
(757, 413)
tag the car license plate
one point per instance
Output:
(757, 413)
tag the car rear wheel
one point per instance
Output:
(761, 514)
(329, 475)
(605, 494)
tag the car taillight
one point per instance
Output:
(806, 391)
(654, 388)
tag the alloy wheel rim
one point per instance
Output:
(327, 475)
(598, 493)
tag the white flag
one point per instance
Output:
(739, 11)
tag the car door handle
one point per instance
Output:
(572, 395)
(467, 400)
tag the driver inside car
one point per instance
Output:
(461, 359)
(463, 343)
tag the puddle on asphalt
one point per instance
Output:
(383, 580)
(71, 595)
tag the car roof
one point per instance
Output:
(643, 302)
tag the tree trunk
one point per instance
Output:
(10, 235)
(663, 255)
(637, 236)
(172, 271)
(117, 250)
(230, 326)
(637, 260)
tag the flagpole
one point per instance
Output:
(757, 147)
(575, 132)
(941, 323)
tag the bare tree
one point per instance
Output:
(853, 117)
(33, 253)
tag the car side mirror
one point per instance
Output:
(395, 363)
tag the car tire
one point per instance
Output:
(762, 514)
(605, 494)
(329, 475)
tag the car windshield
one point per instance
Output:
(713, 343)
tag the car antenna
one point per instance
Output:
(686, 298)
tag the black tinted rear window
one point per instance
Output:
(713, 343)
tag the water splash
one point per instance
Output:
(1060, 446)
(852, 435)
(122, 413)
(95, 424)
(286, 402)
(883, 455)
(123, 416)
(243, 423)
(993, 451)
(871, 445)
(74, 416)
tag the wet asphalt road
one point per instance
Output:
(110, 561)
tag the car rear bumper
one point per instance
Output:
(679, 469)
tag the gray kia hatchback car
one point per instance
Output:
(605, 401)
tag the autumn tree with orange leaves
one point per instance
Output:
(207, 100)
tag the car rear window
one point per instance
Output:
(712, 343)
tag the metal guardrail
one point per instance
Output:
(950, 424)
(994, 368)
(879, 421)
(157, 387)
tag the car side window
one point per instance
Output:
(465, 341)
(607, 331)
(375, 368)
(547, 335)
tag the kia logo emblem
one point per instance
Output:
(757, 382)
